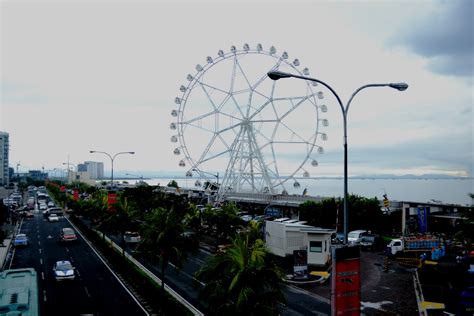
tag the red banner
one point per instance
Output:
(75, 195)
(111, 200)
(346, 281)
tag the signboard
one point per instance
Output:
(111, 200)
(422, 219)
(300, 268)
(346, 281)
(75, 195)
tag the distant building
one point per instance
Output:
(82, 167)
(37, 175)
(4, 151)
(95, 169)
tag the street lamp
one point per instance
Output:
(68, 166)
(401, 86)
(112, 161)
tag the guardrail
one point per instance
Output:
(150, 274)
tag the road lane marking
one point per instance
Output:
(39, 243)
(78, 274)
(41, 261)
(39, 250)
(87, 292)
(109, 268)
(42, 275)
(44, 296)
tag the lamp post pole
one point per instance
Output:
(112, 158)
(275, 75)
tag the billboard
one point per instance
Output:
(111, 200)
(300, 267)
(422, 219)
(345, 298)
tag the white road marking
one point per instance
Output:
(42, 275)
(39, 243)
(41, 261)
(87, 292)
(44, 296)
(78, 274)
(39, 250)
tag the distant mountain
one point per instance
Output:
(181, 175)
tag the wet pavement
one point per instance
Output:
(382, 293)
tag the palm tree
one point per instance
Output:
(242, 280)
(163, 238)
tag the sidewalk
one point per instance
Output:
(4, 249)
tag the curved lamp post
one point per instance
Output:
(401, 86)
(112, 158)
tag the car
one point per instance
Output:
(20, 240)
(337, 238)
(355, 237)
(53, 218)
(63, 270)
(132, 237)
(43, 207)
(246, 218)
(53, 210)
(67, 235)
(51, 204)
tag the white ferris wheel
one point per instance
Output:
(262, 135)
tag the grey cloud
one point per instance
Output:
(446, 38)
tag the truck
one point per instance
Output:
(413, 244)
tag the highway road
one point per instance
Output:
(95, 291)
(299, 302)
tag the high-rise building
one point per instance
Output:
(4, 150)
(95, 169)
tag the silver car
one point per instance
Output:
(63, 270)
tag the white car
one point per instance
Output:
(63, 270)
(43, 207)
(53, 218)
(132, 237)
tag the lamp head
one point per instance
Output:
(400, 86)
(92, 151)
(275, 75)
(131, 152)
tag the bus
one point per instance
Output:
(19, 292)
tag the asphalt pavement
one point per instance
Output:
(95, 291)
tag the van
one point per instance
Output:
(355, 237)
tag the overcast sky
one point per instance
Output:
(103, 75)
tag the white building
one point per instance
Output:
(95, 169)
(4, 151)
(283, 236)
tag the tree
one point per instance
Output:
(242, 280)
(119, 220)
(173, 184)
(163, 238)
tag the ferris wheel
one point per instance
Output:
(262, 135)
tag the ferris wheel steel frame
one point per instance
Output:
(247, 167)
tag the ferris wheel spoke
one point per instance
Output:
(243, 73)
(299, 100)
(257, 111)
(292, 131)
(197, 118)
(209, 97)
(201, 83)
(206, 150)
(214, 156)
